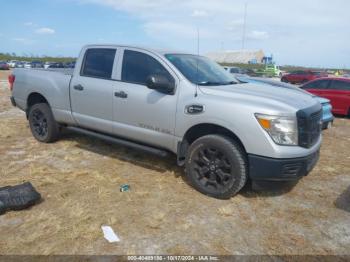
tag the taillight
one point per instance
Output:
(12, 79)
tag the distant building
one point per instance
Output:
(237, 56)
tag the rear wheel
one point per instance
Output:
(42, 123)
(216, 166)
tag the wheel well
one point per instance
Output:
(35, 98)
(198, 131)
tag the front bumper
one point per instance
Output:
(325, 123)
(284, 169)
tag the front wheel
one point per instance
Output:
(216, 166)
(42, 123)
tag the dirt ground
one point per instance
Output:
(79, 179)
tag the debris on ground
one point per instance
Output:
(124, 188)
(109, 234)
(18, 197)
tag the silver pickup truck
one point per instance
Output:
(224, 133)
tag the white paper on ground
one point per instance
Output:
(109, 234)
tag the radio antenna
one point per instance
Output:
(196, 92)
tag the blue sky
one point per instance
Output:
(309, 33)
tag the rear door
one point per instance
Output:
(339, 94)
(142, 114)
(91, 90)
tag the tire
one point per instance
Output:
(304, 81)
(284, 80)
(216, 166)
(42, 123)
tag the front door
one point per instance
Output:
(142, 114)
(317, 87)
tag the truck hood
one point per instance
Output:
(322, 100)
(293, 98)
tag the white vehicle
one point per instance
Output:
(27, 65)
(12, 63)
(47, 65)
(20, 64)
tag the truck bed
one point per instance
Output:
(65, 71)
(52, 84)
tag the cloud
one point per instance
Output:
(28, 24)
(258, 35)
(234, 25)
(24, 41)
(199, 13)
(159, 29)
(45, 31)
(283, 29)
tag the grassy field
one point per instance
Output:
(7, 57)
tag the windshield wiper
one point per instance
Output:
(211, 83)
(231, 83)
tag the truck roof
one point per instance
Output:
(159, 51)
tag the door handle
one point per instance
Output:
(78, 87)
(121, 94)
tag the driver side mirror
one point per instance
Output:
(161, 84)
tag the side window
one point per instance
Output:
(321, 84)
(309, 86)
(340, 85)
(137, 67)
(234, 70)
(98, 62)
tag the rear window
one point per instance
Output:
(234, 70)
(98, 62)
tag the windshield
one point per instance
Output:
(201, 70)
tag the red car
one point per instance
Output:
(301, 76)
(4, 66)
(335, 89)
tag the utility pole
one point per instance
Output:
(244, 25)
(197, 40)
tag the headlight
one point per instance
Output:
(283, 130)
